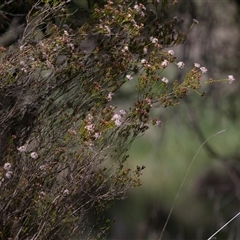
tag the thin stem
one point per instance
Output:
(184, 179)
(224, 225)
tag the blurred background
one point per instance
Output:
(211, 194)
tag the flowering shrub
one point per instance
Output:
(63, 144)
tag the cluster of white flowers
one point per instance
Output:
(171, 52)
(149, 101)
(139, 8)
(110, 95)
(231, 79)
(197, 65)
(165, 63)
(117, 118)
(42, 195)
(203, 69)
(66, 192)
(165, 80)
(97, 135)
(90, 127)
(123, 112)
(7, 166)
(34, 155)
(145, 50)
(195, 21)
(129, 77)
(125, 49)
(22, 149)
(158, 123)
(181, 65)
(154, 40)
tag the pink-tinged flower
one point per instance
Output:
(145, 50)
(129, 77)
(165, 80)
(143, 61)
(9, 174)
(89, 117)
(125, 48)
(97, 135)
(34, 155)
(195, 21)
(158, 123)
(153, 40)
(66, 192)
(197, 65)
(203, 69)
(42, 195)
(90, 127)
(171, 52)
(22, 149)
(181, 65)
(149, 101)
(117, 119)
(110, 95)
(165, 63)
(122, 112)
(7, 166)
(231, 79)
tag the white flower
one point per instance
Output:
(66, 33)
(158, 123)
(197, 65)
(149, 101)
(171, 52)
(231, 79)
(165, 80)
(122, 112)
(7, 166)
(22, 149)
(110, 95)
(154, 40)
(89, 117)
(9, 174)
(181, 65)
(145, 50)
(117, 119)
(65, 192)
(129, 77)
(97, 135)
(165, 63)
(43, 167)
(90, 127)
(34, 155)
(125, 48)
(203, 69)
(143, 61)
(195, 21)
(137, 7)
(42, 194)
